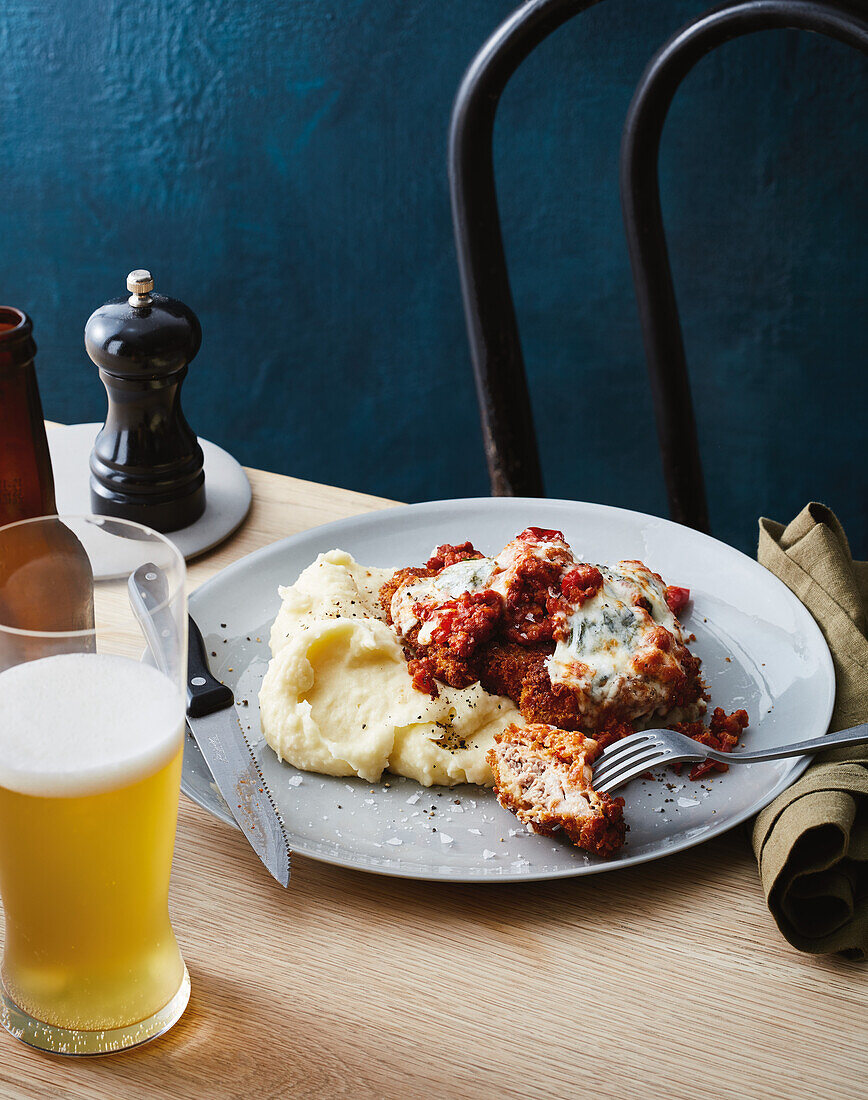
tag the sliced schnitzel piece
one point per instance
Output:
(543, 775)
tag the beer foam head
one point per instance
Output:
(79, 723)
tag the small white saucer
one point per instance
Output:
(227, 490)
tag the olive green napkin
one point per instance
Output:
(811, 843)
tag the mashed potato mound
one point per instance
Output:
(338, 699)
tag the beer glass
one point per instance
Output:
(92, 682)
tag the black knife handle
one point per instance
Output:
(205, 694)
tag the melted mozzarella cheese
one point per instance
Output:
(606, 634)
(473, 575)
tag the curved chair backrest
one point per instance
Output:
(643, 221)
(507, 422)
(495, 346)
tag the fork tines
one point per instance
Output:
(633, 754)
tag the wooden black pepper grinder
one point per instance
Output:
(146, 463)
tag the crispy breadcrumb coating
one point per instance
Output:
(543, 775)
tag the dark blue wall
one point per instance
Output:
(281, 167)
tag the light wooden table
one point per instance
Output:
(667, 980)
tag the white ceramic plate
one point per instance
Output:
(760, 649)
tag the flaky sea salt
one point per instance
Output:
(394, 840)
(488, 854)
(445, 839)
(295, 781)
(413, 799)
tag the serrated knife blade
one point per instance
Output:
(236, 773)
(212, 720)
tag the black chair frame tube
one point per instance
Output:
(495, 346)
(643, 220)
(507, 421)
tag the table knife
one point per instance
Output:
(214, 724)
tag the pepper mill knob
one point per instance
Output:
(146, 464)
(140, 283)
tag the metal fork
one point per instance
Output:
(627, 759)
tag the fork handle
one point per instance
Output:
(856, 735)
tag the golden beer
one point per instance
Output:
(90, 761)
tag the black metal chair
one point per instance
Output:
(501, 384)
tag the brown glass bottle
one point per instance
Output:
(46, 582)
(26, 480)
